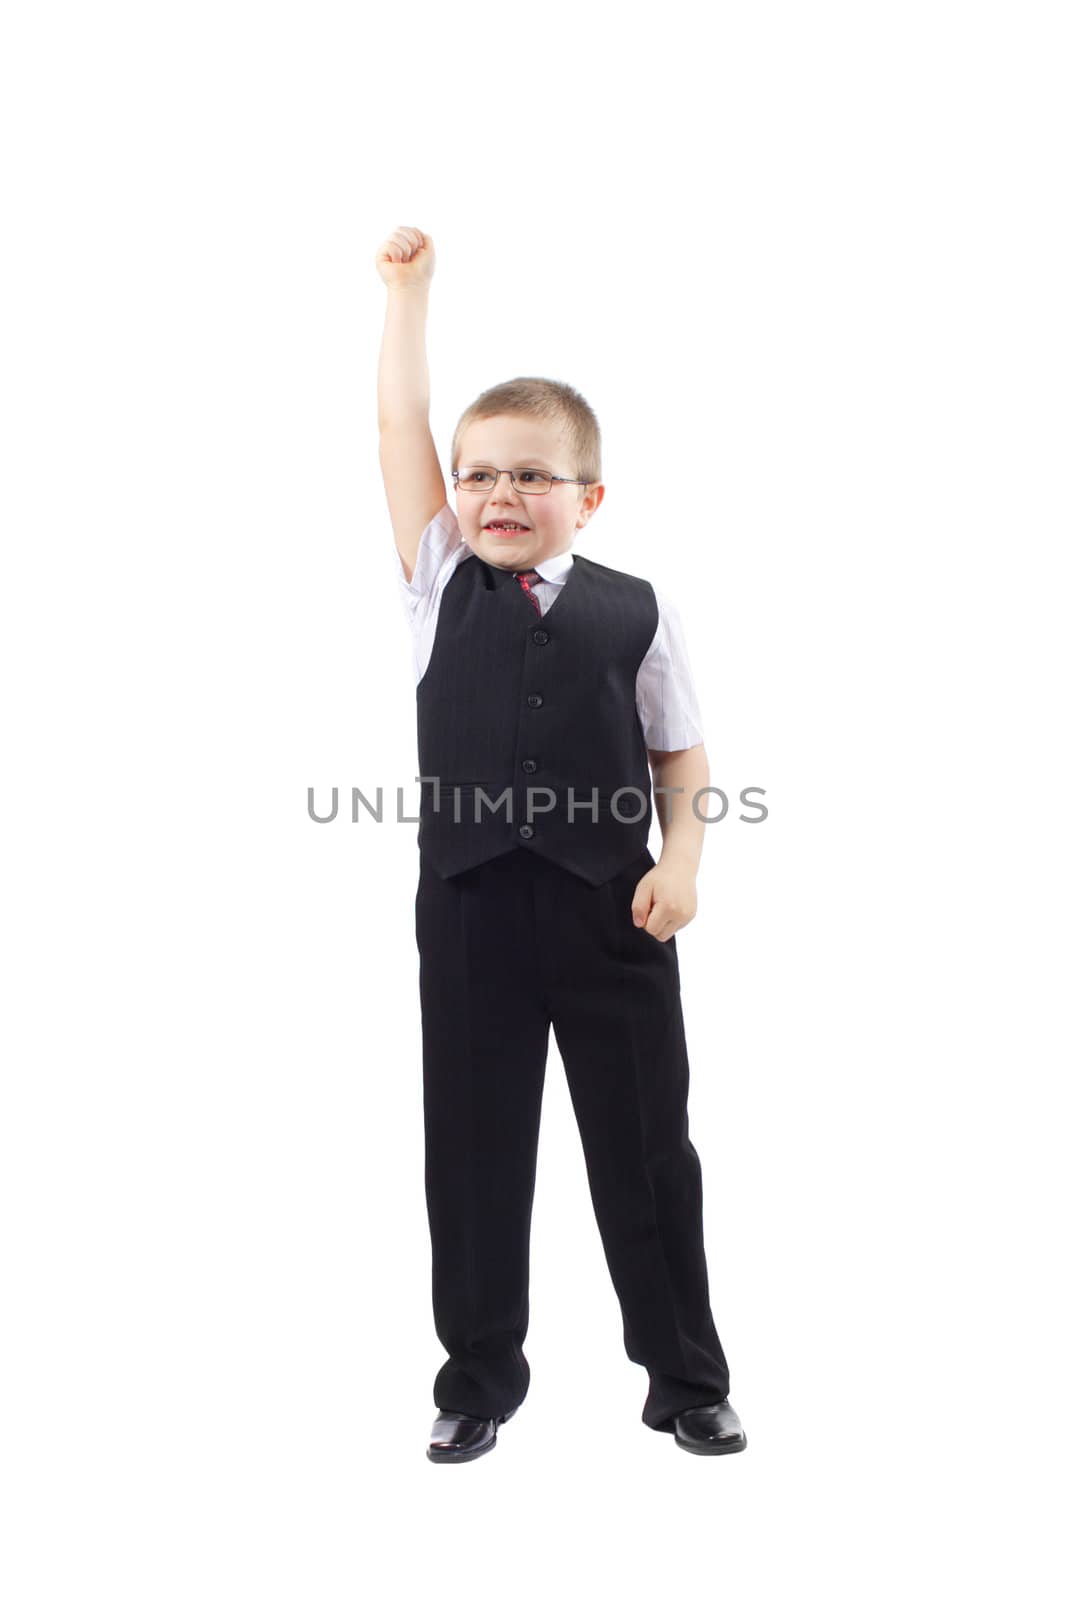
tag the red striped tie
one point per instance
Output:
(525, 579)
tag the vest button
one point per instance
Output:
(534, 700)
(529, 766)
(539, 636)
(526, 831)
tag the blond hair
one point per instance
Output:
(549, 401)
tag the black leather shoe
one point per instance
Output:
(458, 1437)
(710, 1430)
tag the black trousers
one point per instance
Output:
(505, 949)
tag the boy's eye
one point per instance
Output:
(526, 477)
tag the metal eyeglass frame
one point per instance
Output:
(487, 488)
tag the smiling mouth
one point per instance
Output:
(503, 529)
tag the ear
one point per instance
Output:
(593, 496)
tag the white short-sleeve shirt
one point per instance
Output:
(665, 692)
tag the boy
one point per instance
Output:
(546, 685)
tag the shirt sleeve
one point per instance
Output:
(439, 544)
(666, 693)
(441, 548)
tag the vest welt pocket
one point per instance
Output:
(466, 795)
(474, 783)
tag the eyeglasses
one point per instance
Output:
(479, 480)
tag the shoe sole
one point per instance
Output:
(710, 1449)
(444, 1456)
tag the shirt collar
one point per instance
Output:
(556, 568)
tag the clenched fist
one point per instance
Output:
(406, 258)
(665, 899)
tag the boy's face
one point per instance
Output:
(551, 520)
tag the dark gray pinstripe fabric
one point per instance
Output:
(476, 726)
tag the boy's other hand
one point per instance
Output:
(406, 258)
(665, 900)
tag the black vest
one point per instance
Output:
(539, 707)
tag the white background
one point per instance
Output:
(806, 262)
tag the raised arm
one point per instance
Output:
(414, 482)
